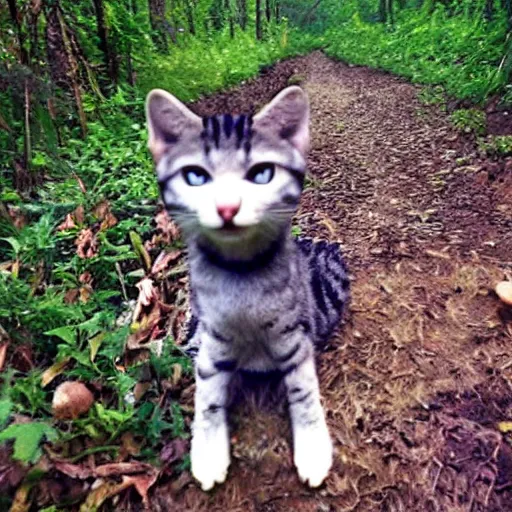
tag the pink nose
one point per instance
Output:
(228, 211)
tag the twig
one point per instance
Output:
(121, 280)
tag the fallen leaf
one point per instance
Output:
(87, 244)
(55, 369)
(101, 210)
(142, 484)
(74, 470)
(147, 291)
(108, 222)
(94, 345)
(68, 223)
(21, 501)
(86, 278)
(140, 389)
(102, 492)
(174, 451)
(79, 214)
(71, 296)
(85, 293)
(167, 227)
(163, 260)
(3, 354)
(81, 184)
(123, 468)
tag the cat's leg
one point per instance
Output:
(210, 436)
(312, 446)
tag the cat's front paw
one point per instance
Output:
(209, 457)
(313, 454)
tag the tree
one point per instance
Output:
(108, 54)
(158, 24)
(259, 32)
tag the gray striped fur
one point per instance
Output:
(260, 299)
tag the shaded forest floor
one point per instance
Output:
(418, 378)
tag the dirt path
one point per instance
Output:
(418, 378)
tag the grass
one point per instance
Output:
(465, 64)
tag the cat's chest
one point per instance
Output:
(242, 308)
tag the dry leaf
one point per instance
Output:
(3, 354)
(71, 296)
(79, 214)
(102, 492)
(123, 468)
(140, 389)
(85, 294)
(74, 470)
(147, 291)
(163, 260)
(108, 222)
(173, 451)
(142, 484)
(21, 502)
(86, 278)
(68, 223)
(54, 370)
(101, 210)
(87, 244)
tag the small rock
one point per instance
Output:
(504, 292)
(70, 400)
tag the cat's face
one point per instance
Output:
(230, 180)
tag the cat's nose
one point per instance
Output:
(228, 211)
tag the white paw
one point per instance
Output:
(313, 454)
(209, 456)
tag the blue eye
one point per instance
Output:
(195, 176)
(261, 174)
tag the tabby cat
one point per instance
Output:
(260, 299)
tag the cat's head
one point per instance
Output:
(230, 181)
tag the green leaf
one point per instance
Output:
(65, 333)
(27, 437)
(15, 244)
(5, 411)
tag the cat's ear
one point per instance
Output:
(287, 115)
(168, 121)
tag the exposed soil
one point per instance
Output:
(417, 380)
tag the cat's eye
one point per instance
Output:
(195, 176)
(261, 174)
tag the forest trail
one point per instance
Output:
(418, 378)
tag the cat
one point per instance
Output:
(261, 300)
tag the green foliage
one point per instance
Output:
(469, 121)
(27, 438)
(497, 145)
(432, 45)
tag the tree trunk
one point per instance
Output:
(157, 21)
(390, 12)
(277, 11)
(259, 33)
(383, 16)
(105, 48)
(63, 64)
(268, 10)
(242, 13)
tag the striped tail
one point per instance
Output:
(329, 283)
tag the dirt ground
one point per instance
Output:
(419, 377)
